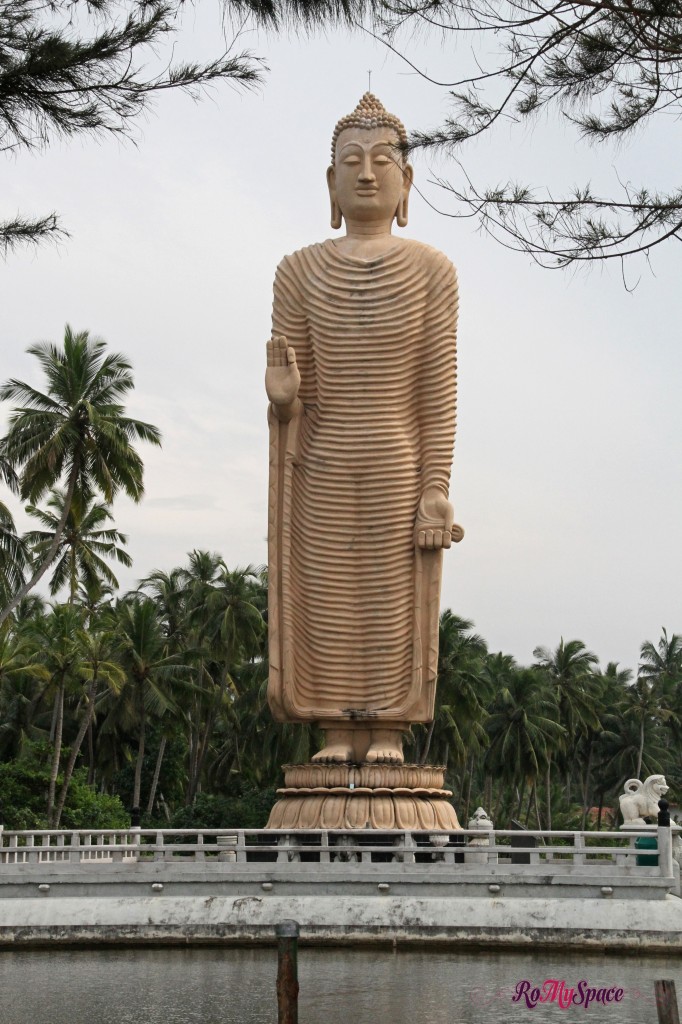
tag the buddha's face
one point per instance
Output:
(368, 178)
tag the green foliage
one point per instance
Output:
(85, 808)
(85, 542)
(24, 784)
(171, 684)
(13, 556)
(248, 810)
(74, 434)
(173, 775)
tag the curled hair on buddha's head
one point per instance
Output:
(370, 113)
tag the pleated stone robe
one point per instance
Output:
(354, 604)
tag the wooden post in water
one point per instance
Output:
(287, 972)
(666, 1002)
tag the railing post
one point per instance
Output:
(491, 857)
(287, 972)
(135, 840)
(288, 854)
(75, 853)
(666, 1002)
(665, 840)
(227, 846)
(578, 847)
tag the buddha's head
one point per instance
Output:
(369, 179)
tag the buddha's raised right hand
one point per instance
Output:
(282, 376)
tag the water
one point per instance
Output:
(338, 986)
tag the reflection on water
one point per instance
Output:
(338, 986)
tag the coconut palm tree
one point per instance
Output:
(620, 747)
(57, 637)
(523, 727)
(13, 554)
(661, 664)
(457, 734)
(20, 675)
(230, 613)
(98, 671)
(94, 596)
(169, 591)
(73, 434)
(498, 671)
(151, 673)
(570, 669)
(611, 687)
(85, 543)
(246, 739)
(28, 610)
(643, 704)
(224, 611)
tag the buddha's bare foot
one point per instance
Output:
(386, 747)
(338, 748)
(334, 753)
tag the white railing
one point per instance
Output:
(56, 847)
(607, 854)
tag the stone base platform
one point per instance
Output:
(383, 796)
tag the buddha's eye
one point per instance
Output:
(351, 159)
(381, 159)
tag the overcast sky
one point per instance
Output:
(567, 473)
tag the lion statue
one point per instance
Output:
(640, 799)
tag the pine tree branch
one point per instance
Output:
(21, 231)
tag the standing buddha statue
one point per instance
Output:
(361, 377)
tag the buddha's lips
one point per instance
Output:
(367, 191)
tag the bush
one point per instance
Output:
(23, 792)
(23, 796)
(86, 808)
(250, 809)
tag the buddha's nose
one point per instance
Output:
(367, 172)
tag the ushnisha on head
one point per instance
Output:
(369, 179)
(369, 113)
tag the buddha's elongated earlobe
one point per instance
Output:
(336, 219)
(401, 212)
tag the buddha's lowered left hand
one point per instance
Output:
(434, 527)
